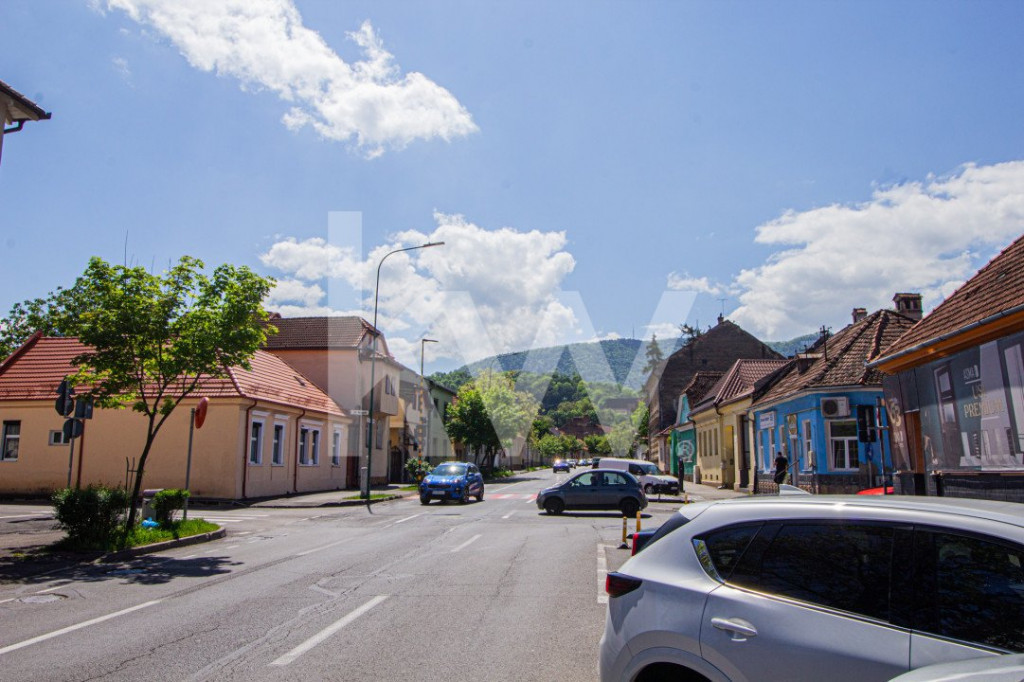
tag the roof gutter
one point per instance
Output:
(945, 337)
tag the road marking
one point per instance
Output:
(320, 549)
(327, 632)
(508, 515)
(407, 518)
(22, 516)
(188, 557)
(72, 628)
(602, 573)
(467, 543)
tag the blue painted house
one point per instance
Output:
(808, 410)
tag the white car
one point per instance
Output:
(650, 477)
(803, 587)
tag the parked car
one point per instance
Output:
(595, 489)
(561, 465)
(647, 473)
(452, 481)
(572, 463)
(787, 587)
(584, 462)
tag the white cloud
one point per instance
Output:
(483, 292)
(926, 237)
(264, 44)
(292, 291)
(685, 282)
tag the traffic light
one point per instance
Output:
(866, 432)
(65, 398)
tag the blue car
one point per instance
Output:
(452, 481)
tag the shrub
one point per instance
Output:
(501, 472)
(417, 469)
(90, 516)
(166, 502)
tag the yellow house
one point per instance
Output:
(335, 353)
(268, 431)
(720, 419)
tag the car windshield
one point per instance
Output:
(650, 469)
(449, 470)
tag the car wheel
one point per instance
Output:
(629, 507)
(424, 499)
(648, 489)
(464, 498)
(480, 497)
(554, 506)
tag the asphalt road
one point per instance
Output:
(494, 590)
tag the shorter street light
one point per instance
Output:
(373, 362)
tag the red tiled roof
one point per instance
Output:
(294, 333)
(848, 351)
(996, 288)
(36, 369)
(738, 382)
(700, 384)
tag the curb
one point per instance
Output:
(161, 546)
(339, 503)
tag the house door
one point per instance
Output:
(744, 445)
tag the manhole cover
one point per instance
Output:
(42, 598)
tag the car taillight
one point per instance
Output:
(616, 584)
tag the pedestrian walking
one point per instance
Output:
(781, 467)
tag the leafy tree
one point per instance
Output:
(550, 447)
(640, 420)
(454, 379)
(597, 445)
(42, 314)
(654, 355)
(152, 339)
(622, 438)
(468, 422)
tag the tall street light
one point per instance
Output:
(373, 362)
(426, 436)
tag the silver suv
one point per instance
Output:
(812, 588)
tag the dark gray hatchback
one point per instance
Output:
(595, 489)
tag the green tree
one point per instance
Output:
(468, 423)
(640, 420)
(152, 339)
(654, 355)
(597, 444)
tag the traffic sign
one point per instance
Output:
(73, 428)
(359, 413)
(65, 402)
(201, 412)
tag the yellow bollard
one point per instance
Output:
(638, 522)
(624, 545)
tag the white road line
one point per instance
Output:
(4, 601)
(72, 628)
(320, 549)
(508, 515)
(327, 632)
(407, 518)
(22, 516)
(466, 544)
(188, 557)
(602, 573)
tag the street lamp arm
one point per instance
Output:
(376, 288)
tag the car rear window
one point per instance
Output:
(674, 521)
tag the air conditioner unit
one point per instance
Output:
(835, 407)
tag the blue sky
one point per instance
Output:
(596, 169)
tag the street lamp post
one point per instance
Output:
(373, 362)
(427, 401)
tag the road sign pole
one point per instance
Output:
(71, 459)
(188, 461)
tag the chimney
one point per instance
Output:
(908, 305)
(859, 314)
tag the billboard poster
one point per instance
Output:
(972, 408)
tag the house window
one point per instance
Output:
(256, 442)
(57, 438)
(304, 446)
(843, 444)
(277, 454)
(380, 435)
(336, 448)
(9, 444)
(315, 449)
(808, 446)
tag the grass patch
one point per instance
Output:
(373, 496)
(141, 536)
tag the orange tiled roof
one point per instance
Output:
(35, 370)
(294, 333)
(996, 288)
(738, 382)
(848, 353)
